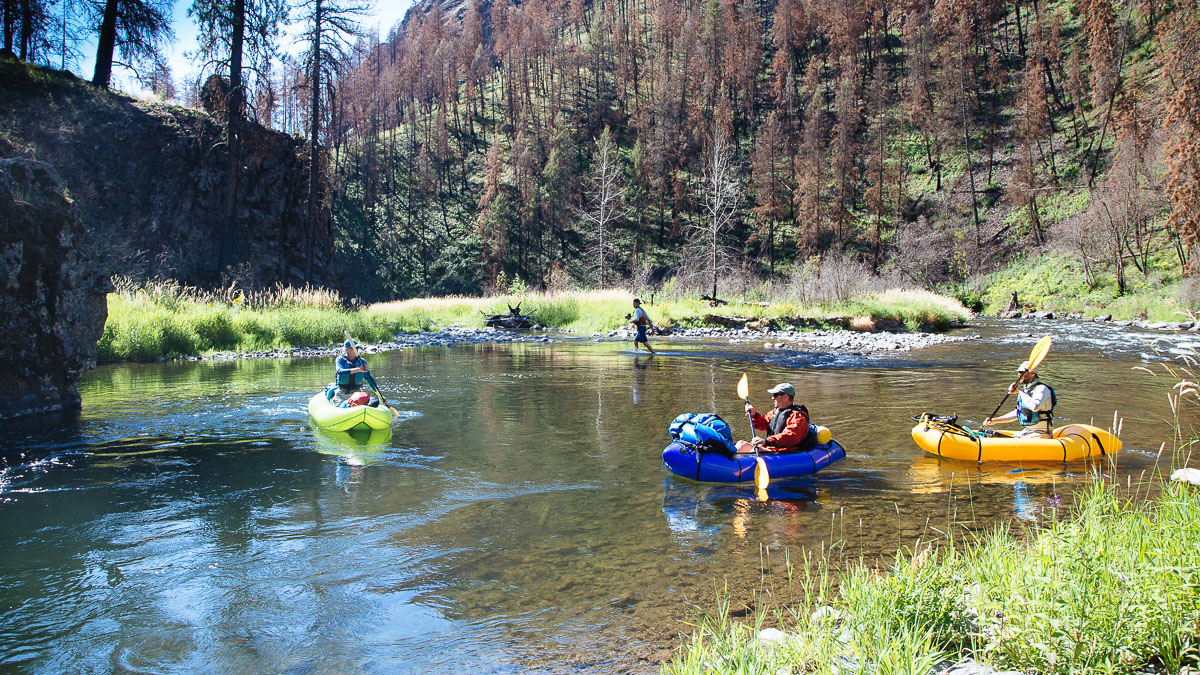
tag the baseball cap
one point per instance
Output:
(782, 388)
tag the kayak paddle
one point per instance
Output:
(1035, 357)
(371, 381)
(761, 477)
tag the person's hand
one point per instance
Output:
(1012, 388)
(756, 441)
(361, 369)
(987, 422)
(749, 408)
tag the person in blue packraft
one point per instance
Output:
(351, 374)
(787, 424)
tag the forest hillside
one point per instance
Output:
(557, 143)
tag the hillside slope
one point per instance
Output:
(933, 139)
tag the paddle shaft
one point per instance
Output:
(1001, 404)
(371, 381)
(750, 418)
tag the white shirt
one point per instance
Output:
(1038, 398)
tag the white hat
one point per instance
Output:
(1024, 367)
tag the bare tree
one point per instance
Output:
(720, 198)
(328, 27)
(606, 200)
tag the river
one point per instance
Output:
(517, 519)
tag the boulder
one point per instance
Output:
(54, 305)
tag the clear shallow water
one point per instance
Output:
(517, 519)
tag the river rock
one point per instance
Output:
(1190, 476)
(1103, 317)
(54, 305)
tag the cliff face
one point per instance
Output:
(95, 184)
(149, 181)
(52, 302)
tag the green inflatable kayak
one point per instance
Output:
(328, 416)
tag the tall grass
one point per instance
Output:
(166, 319)
(1113, 588)
(603, 310)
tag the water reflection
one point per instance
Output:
(516, 519)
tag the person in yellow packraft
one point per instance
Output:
(1035, 405)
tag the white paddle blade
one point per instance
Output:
(743, 388)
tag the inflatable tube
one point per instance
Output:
(328, 416)
(1070, 443)
(705, 465)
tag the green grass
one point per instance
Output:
(591, 311)
(164, 319)
(1056, 282)
(1113, 587)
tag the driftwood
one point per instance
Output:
(726, 321)
(514, 320)
(713, 301)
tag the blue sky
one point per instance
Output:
(382, 16)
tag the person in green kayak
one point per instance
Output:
(788, 424)
(1035, 405)
(351, 374)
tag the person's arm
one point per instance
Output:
(343, 365)
(1006, 417)
(793, 433)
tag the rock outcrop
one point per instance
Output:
(150, 181)
(52, 304)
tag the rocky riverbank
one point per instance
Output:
(1190, 326)
(842, 341)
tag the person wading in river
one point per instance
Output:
(1035, 405)
(642, 321)
(788, 424)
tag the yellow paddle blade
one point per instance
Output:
(743, 388)
(1039, 352)
(761, 477)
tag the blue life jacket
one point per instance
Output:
(1028, 417)
(347, 379)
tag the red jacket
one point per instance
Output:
(794, 431)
